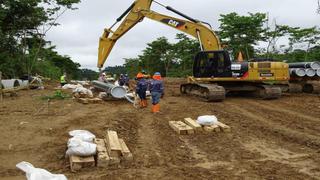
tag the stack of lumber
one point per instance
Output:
(112, 150)
(190, 126)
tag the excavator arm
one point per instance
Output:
(141, 9)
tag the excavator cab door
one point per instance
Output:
(212, 64)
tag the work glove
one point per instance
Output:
(162, 95)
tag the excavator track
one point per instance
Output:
(208, 92)
(269, 92)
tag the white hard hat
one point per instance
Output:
(103, 74)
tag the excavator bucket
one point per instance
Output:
(105, 46)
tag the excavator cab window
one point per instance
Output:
(212, 64)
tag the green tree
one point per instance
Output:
(185, 50)
(23, 26)
(241, 33)
(308, 37)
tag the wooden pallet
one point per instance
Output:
(181, 128)
(190, 126)
(78, 162)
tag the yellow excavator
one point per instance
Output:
(214, 74)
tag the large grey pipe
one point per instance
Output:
(312, 65)
(310, 72)
(10, 83)
(318, 72)
(300, 72)
(115, 91)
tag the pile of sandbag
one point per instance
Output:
(71, 86)
(81, 92)
(81, 143)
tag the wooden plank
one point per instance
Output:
(103, 159)
(113, 144)
(114, 161)
(77, 162)
(215, 128)
(223, 127)
(126, 154)
(95, 100)
(192, 123)
(83, 100)
(181, 128)
(101, 146)
(1, 92)
(176, 128)
(208, 128)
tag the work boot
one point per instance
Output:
(141, 103)
(145, 103)
(155, 108)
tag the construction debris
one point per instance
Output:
(190, 126)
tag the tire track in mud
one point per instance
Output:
(267, 125)
(286, 117)
(282, 109)
(202, 157)
(301, 161)
(148, 150)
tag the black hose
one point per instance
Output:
(181, 14)
(126, 12)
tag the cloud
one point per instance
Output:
(79, 32)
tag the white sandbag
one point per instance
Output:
(83, 90)
(84, 135)
(71, 86)
(79, 147)
(207, 120)
(33, 173)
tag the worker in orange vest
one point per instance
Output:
(157, 91)
(141, 89)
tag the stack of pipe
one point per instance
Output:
(302, 69)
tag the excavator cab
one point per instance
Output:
(212, 64)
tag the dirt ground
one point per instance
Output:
(278, 139)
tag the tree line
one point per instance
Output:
(23, 48)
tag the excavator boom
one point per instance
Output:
(140, 9)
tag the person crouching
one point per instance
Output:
(157, 91)
(141, 90)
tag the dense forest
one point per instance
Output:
(24, 50)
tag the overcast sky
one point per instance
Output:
(79, 32)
